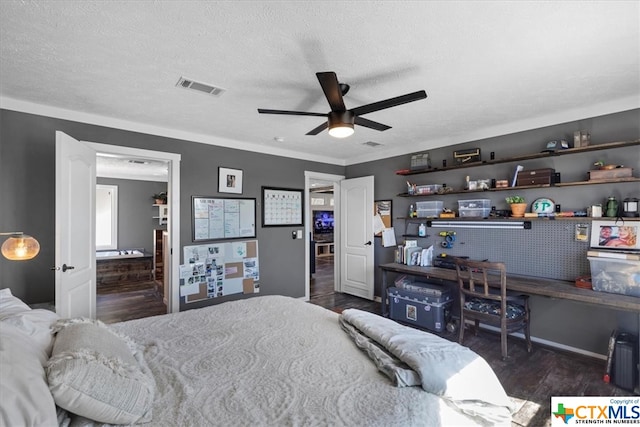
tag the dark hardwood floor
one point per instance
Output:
(529, 378)
(128, 301)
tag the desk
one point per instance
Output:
(526, 284)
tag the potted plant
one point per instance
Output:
(160, 198)
(518, 206)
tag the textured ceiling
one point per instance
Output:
(488, 67)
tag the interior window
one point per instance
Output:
(106, 217)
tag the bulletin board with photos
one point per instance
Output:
(219, 269)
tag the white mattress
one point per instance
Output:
(272, 360)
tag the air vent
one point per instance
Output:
(371, 144)
(200, 87)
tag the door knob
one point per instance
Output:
(368, 243)
(66, 267)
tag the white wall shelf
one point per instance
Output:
(163, 214)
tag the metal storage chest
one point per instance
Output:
(427, 306)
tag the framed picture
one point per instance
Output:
(282, 207)
(229, 180)
(615, 234)
(383, 208)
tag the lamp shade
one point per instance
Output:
(341, 124)
(20, 247)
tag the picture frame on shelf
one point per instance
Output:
(229, 180)
(615, 234)
(383, 208)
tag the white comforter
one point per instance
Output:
(410, 357)
(273, 360)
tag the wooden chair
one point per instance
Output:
(484, 298)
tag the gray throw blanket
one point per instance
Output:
(410, 357)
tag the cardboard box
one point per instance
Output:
(429, 308)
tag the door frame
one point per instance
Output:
(173, 223)
(308, 228)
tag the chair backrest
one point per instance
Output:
(482, 279)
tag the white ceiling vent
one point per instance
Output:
(371, 143)
(200, 87)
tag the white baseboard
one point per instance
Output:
(552, 344)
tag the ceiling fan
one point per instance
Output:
(340, 121)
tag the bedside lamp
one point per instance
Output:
(19, 246)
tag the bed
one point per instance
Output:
(268, 360)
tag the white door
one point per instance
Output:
(356, 215)
(75, 257)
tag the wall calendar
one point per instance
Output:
(282, 207)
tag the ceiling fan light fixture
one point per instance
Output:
(341, 124)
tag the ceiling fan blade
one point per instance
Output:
(388, 103)
(318, 129)
(370, 124)
(332, 91)
(290, 113)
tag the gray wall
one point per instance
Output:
(136, 212)
(549, 249)
(27, 197)
(27, 187)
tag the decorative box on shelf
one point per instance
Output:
(545, 176)
(610, 173)
(420, 161)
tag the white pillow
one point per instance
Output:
(25, 396)
(99, 374)
(10, 305)
(35, 324)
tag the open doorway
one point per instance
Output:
(322, 245)
(322, 193)
(133, 280)
(353, 255)
(130, 257)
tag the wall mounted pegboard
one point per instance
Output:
(551, 244)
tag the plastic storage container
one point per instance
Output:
(479, 208)
(428, 189)
(425, 305)
(432, 208)
(616, 273)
